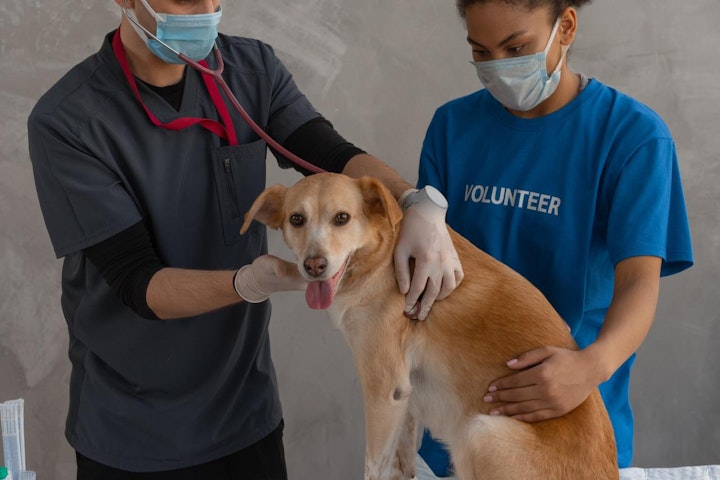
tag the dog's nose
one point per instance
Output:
(315, 266)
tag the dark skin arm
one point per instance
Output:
(553, 381)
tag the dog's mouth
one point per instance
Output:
(320, 294)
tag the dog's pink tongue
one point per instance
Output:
(319, 295)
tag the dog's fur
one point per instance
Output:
(343, 232)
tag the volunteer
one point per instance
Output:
(573, 184)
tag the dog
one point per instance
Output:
(437, 371)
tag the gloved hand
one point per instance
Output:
(266, 275)
(425, 238)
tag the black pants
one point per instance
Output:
(264, 460)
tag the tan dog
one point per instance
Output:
(343, 233)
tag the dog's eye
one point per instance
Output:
(297, 220)
(342, 218)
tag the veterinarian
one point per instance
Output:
(574, 185)
(143, 174)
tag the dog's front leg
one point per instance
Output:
(386, 386)
(407, 446)
(386, 411)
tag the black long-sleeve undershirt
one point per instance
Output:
(128, 260)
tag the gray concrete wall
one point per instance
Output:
(377, 69)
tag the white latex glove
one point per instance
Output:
(424, 236)
(266, 275)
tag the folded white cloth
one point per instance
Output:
(703, 472)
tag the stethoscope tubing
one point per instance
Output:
(217, 76)
(216, 73)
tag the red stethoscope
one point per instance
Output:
(212, 78)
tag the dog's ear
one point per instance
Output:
(379, 201)
(267, 208)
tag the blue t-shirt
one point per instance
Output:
(562, 199)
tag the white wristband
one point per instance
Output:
(412, 196)
(246, 286)
(403, 200)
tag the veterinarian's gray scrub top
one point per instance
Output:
(153, 395)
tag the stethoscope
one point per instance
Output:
(216, 74)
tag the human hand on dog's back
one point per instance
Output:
(266, 275)
(549, 383)
(425, 238)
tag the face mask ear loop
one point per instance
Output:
(564, 48)
(552, 36)
(157, 16)
(135, 22)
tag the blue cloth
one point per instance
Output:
(148, 395)
(562, 199)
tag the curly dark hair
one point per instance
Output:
(556, 6)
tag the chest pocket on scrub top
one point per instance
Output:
(239, 178)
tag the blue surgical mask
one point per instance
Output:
(522, 83)
(191, 35)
